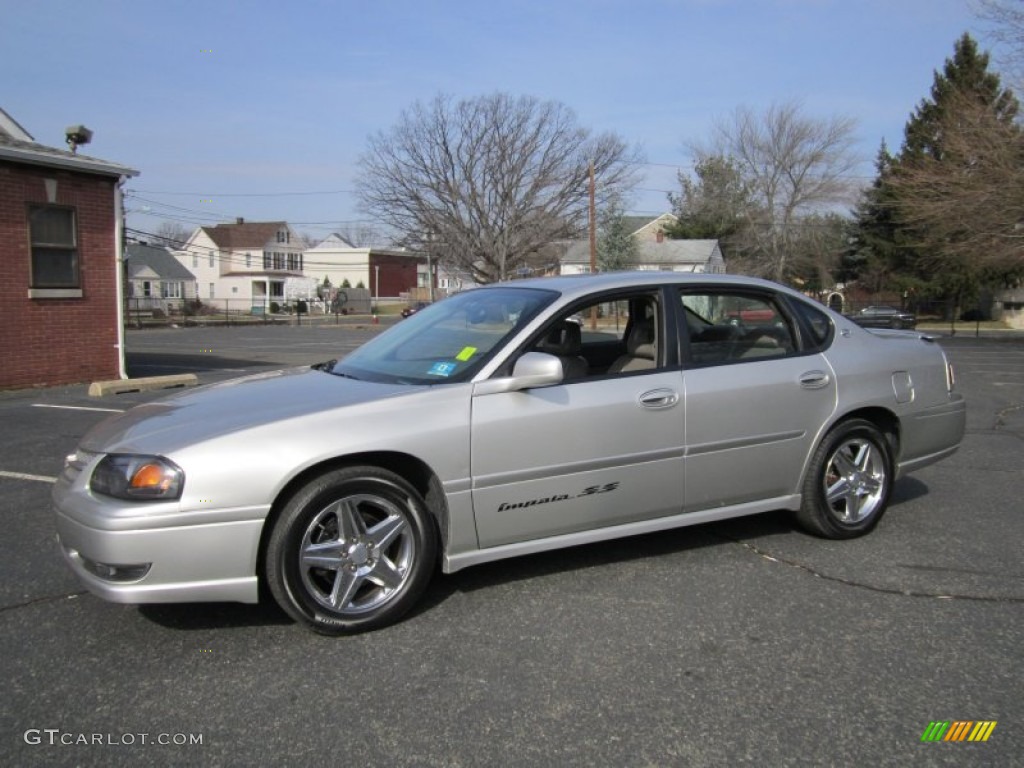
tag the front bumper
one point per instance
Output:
(156, 553)
(199, 563)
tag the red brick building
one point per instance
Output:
(60, 263)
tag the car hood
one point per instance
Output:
(219, 409)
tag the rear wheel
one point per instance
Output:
(352, 550)
(847, 487)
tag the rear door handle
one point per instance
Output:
(814, 379)
(658, 398)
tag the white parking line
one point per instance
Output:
(24, 476)
(78, 408)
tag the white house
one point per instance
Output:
(661, 254)
(247, 265)
(155, 278)
(385, 272)
(655, 252)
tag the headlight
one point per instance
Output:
(138, 478)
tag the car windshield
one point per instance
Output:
(447, 341)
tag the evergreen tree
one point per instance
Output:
(616, 246)
(915, 228)
(965, 73)
(713, 205)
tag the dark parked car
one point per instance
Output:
(884, 317)
(413, 308)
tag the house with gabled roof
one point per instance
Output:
(246, 265)
(61, 234)
(155, 279)
(655, 251)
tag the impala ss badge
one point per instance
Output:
(588, 491)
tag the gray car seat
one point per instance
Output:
(641, 349)
(565, 341)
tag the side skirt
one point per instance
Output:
(456, 562)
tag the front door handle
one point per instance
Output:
(658, 398)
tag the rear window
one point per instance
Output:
(817, 323)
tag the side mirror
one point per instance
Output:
(534, 369)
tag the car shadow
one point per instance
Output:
(190, 617)
(658, 544)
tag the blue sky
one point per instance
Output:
(223, 106)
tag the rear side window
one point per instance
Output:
(727, 327)
(817, 323)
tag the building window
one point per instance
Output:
(195, 260)
(212, 255)
(170, 290)
(278, 260)
(212, 287)
(293, 262)
(266, 259)
(276, 289)
(55, 262)
(248, 260)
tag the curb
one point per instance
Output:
(120, 386)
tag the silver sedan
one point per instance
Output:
(511, 419)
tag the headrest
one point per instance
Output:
(640, 342)
(564, 340)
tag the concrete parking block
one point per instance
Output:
(119, 386)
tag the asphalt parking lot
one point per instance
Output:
(737, 643)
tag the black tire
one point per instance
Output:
(848, 482)
(375, 546)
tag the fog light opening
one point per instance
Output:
(111, 572)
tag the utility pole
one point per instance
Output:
(593, 223)
(593, 243)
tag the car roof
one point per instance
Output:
(583, 284)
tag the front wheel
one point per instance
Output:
(352, 550)
(848, 482)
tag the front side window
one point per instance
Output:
(727, 327)
(55, 259)
(447, 341)
(611, 336)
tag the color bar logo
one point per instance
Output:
(958, 730)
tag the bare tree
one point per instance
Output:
(1006, 19)
(361, 234)
(487, 184)
(967, 203)
(172, 234)
(793, 166)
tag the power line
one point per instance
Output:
(247, 194)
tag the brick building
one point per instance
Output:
(60, 263)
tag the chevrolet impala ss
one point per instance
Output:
(510, 419)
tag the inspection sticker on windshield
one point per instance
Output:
(442, 369)
(465, 354)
